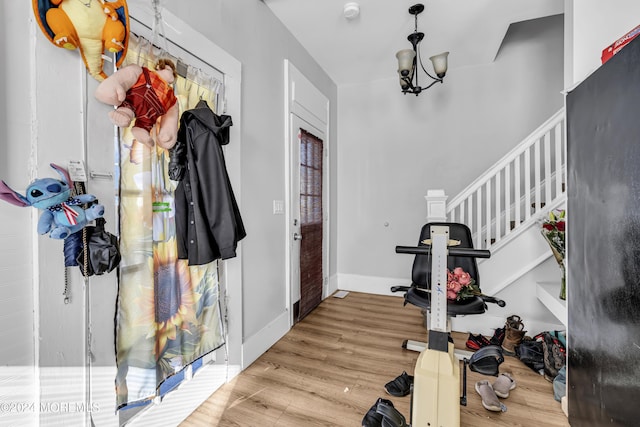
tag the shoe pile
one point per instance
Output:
(491, 392)
(513, 335)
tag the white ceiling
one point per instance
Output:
(363, 49)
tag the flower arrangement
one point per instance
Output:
(461, 285)
(553, 230)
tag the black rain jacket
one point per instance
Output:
(208, 222)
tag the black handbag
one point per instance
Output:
(531, 353)
(101, 251)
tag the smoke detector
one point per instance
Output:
(351, 10)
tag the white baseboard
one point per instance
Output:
(254, 346)
(370, 284)
(332, 286)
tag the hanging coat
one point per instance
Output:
(208, 221)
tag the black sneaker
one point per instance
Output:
(498, 336)
(476, 342)
(372, 418)
(401, 386)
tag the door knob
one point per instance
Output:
(297, 236)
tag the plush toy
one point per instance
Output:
(92, 26)
(62, 214)
(146, 96)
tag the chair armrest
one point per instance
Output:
(493, 300)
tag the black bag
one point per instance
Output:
(103, 253)
(531, 353)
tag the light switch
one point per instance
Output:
(278, 207)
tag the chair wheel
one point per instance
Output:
(404, 344)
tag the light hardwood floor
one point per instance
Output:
(331, 367)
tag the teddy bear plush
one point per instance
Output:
(145, 96)
(62, 214)
(91, 26)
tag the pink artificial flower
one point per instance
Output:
(451, 295)
(450, 276)
(458, 271)
(454, 286)
(464, 278)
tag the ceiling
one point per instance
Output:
(363, 49)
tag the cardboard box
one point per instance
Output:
(619, 44)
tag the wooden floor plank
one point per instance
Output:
(331, 367)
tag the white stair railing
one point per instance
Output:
(517, 188)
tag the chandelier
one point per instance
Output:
(408, 60)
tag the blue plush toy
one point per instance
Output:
(62, 214)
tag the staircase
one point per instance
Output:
(525, 184)
(504, 208)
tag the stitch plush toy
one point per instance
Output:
(62, 214)
(145, 96)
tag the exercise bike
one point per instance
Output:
(436, 396)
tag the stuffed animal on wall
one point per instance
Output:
(92, 26)
(145, 96)
(62, 214)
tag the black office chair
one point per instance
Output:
(419, 293)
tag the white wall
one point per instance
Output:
(596, 24)
(393, 148)
(18, 352)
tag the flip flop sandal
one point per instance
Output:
(489, 399)
(401, 386)
(503, 385)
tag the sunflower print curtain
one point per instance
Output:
(168, 313)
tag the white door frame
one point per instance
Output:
(304, 103)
